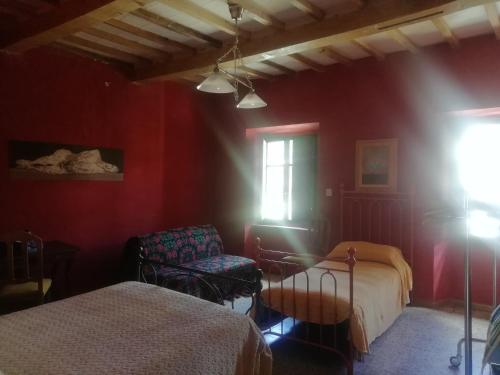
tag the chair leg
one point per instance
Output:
(47, 297)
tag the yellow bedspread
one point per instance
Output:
(379, 297)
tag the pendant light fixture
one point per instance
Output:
(221, 81)
(251, 100)
(216, 83)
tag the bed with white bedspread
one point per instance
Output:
(132, 328)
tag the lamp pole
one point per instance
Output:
(467, 295)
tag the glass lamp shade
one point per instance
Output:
(251, 100)
(216, 83)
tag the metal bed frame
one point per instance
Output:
(301, 261)
(204, 281)
(385, 218)
(381, 217)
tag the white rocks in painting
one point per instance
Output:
(88, 162)
(64, 161)
(48, 164)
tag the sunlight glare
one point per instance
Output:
(478, 160)
(483, 225)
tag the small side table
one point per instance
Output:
(58, 260)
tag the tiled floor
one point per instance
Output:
(422, 339)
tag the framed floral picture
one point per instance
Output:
(376, 165)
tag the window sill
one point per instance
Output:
(278, 226)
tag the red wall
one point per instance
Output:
(186, 159)
(46, 96)
(407, 97)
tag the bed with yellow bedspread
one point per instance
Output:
(382, 282)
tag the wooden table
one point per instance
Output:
(58, 259)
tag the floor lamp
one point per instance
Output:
(468, 339)
(446, 216)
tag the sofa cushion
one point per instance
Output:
(222, 264)
(218, 264)
(228, 265)
(182, 245)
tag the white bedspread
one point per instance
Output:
(132, 328)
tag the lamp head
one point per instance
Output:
(251, 100)
(235, 10)
(216, 83)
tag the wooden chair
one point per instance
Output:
(21, 271)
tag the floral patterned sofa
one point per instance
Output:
(183, 258)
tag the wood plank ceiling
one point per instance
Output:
(181, 39)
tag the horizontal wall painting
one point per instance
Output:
(376, 165)
(54, 161)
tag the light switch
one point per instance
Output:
(328, 192)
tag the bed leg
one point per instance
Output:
(258, 289)
(350, 368)
(138, 271)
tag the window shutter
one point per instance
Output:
(304, 177)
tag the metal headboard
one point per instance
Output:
(385, 218)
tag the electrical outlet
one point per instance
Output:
(328, 192)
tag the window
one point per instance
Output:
(477, 156)
(288, 179)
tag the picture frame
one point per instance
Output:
(33, 160)
(376, 165)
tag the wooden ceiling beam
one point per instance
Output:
(148, 35)
(446, 32)
(205, 16)
(125, 67)
(255, 73)
(259, 14)
(85, 44)
(64, 20)
(309, 8)
(281, 68)
(40, 5)
(336, 55)
(13, 12)
(20, 7)
(372, 18)
(343, 7)
(492, 13)
(192, 79)
(176, 27)
(403, 40)
(158, 54)
(53, 2)
(307, 61)
(372, 51)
